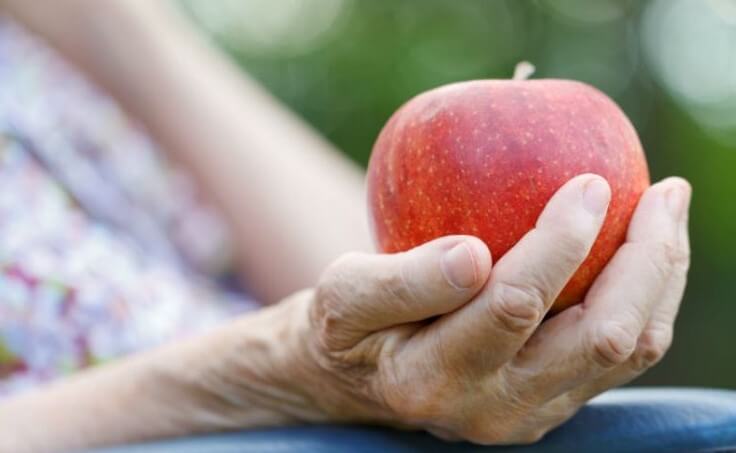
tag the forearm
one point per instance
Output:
(294, 203)
(180, 389)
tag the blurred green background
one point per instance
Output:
(346, 65)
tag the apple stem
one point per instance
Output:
(523, 70)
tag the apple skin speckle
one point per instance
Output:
(484, 157)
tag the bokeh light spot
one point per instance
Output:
(691, 45)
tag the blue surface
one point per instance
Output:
(625, 420)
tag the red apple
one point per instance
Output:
(484, 157)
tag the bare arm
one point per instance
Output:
(293, 202)
(404, 340)
(168, 392)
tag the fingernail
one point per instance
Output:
(596, 196)
(458, 266)
(676, 201)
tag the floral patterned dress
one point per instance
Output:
(104, 248)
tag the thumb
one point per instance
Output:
(362, 293)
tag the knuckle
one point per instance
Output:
(661, 258)
(679, 257)
(325, 324)
(669, 254)
(331, 296)
(516, 307)
(325, 311)
(612, 344)
(652, 347)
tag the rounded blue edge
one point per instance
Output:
(632, 420)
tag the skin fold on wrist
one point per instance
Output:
(253, 372)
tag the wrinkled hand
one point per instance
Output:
(436, 338)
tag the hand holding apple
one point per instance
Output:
(479, 364)
(439, 338)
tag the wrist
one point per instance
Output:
(253, 372)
